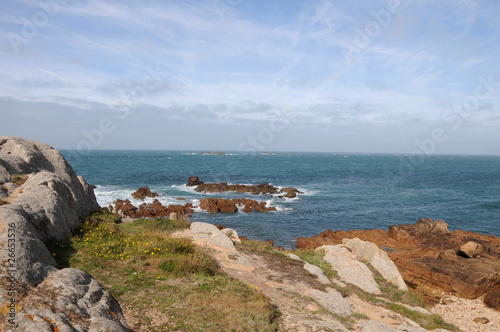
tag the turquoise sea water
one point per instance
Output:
(341, 191)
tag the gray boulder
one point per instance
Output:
(76, 294)
(332, 301)
(313, 269)
(211, 234)
(378, 259)
(349, 268)
(33, 261)
(48, 205)
(232, 234)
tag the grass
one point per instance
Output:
(409, 297)
(316, 258)
(18, 179)
(2, 202)
(389, 291)
(260, 247)
(429, 322)
(393, 293)
(162, 282)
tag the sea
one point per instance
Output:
(341, 191)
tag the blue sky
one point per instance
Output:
(333, 76)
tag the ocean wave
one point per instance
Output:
(279, 208)
(106, 195)
(185, 188)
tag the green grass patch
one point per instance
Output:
(427, 321)
(163, 225)
(393, 293)
(162, 282)
(18, 179)
(316, 258)
(2, 202)
(358, 315)
(259, 247)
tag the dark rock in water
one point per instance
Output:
(143, 192)
(263, 188)
(151, 210)
(425, 254)
(492, 300)
(214, 205)
(290, 192)
(259, 189)
(194, 181)
(46, 202)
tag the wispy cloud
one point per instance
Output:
(260, 58)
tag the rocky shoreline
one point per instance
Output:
(209, 204)
(43, 200)
(431, 258)
(47, 206)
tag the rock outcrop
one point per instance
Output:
(150, 210)
(144, 192)
(260, 189)
(428, 254)
(46, 206)
(492, 299)
(194, 181)
(306, 298)
(350, 268)
(377, 258)
(214, 205)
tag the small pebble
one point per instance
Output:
(482, 320)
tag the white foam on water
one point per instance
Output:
(308, 192)
(279, 208)
(106, 195)
(185, 188)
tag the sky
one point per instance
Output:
(368, 76)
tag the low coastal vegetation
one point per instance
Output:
(390, 292)
(162, 282)
(18, 179)
(167, 283)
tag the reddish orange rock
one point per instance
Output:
(428, 254)
(143, 192)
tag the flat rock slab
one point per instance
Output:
(332, 301)
(313, 269)
(211, 234)
(374, 326)
(378, 259)
(379, 313)
(309, 324)
(349, 268)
